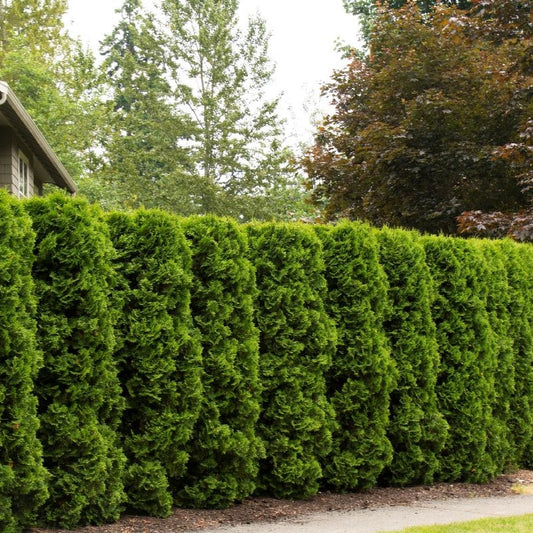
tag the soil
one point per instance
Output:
(270, 509)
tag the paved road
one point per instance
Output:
(394, 518)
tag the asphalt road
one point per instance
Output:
(394, 518)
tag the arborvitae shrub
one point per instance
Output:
(158, 354)
(22, 476)
(417, 429)
(495, 276)
(518, 260)
(225, 449)
(79, 394)
(297, 341)
(361, 376)
(465, 380)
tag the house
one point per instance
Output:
(26, 159)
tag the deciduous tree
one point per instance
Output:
(423, 129)
(222, 75)
(142, 159)
(367, 10)
(52, 74)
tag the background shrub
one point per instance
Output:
(80, 401)
(225, 449)
(361, 376)
(466, 377)
(158, 354)
(417, 429)
(22, 476)
(297, 341)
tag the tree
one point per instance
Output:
(52, 75)
(225, 449)
(465, 382)
(423, 127)
(157, 353)
(417, 429)
(80, 398)
(362, 374)
(511, 25)
(142, 159)
(221, 76)
(37, 22)
(297, 342)
(367, 10)
(22, 476)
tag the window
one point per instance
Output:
(24, 175)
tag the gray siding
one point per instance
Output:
(9, 164)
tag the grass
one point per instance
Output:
(522, 489)
(511, 524)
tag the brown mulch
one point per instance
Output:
(270, 509)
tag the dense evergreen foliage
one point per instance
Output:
(22, 476)
(465, 381)
(494, 276)
(297, 341)
(158, 355)
(361, 377)
(519, 262)
(80, 402)
(376, 356)
(417, 429)
(225, 449)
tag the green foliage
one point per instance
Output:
(142, 159)
(465, 382)
(22, 476)
(80, 402)
(417, 429)
(297, 341)
(498, 302)
(519, 260)
(238, 145)
(225, 449)
(158, 355)
(52, 75)
(362, 374)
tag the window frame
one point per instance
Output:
(23, 167)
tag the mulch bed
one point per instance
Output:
(270, 509)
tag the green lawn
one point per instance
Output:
(513, 524)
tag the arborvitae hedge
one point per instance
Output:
(495, 276)
(466, 375)
(417, 429)
(158, 355)
(519, 262)
(361, 377)
(225, 449)
(297, 341)
(22, 476)
(80, 401)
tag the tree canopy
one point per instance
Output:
(174, 114)
(52, 74)
(367, 10)
(433, 123)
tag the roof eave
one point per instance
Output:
(51, 162)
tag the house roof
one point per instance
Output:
(26, 128)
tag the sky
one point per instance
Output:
(302, 45)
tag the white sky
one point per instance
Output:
(302, 46)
